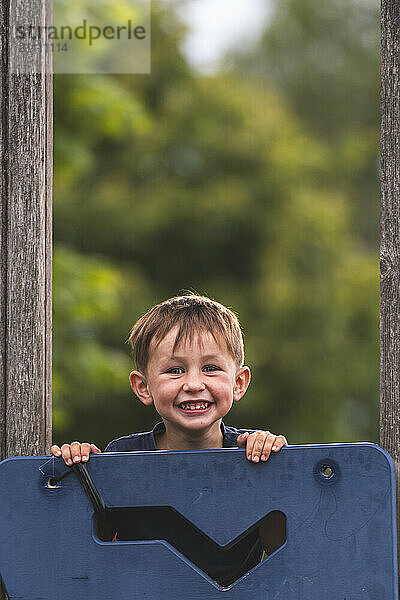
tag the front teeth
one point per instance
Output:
(194, 405)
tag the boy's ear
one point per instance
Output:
(139, 385)
(242, 381)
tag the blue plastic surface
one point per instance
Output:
(341, 540)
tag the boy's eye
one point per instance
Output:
(210, 368)
(175, 370)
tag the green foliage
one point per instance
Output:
(324, 58)
(220, 184)
(87, 297)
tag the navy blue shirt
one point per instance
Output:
(146, 440)
(224, 565)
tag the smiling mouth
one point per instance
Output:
(194, 406)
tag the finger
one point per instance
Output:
(279, 443)
(95, 449)
(241, 439)
(268, 443)
(66, 454)
(251, 440)
(55, 450)
(85, 451)
(76, 452)
(259, 445)
(249, 445)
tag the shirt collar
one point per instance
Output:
(228, 440)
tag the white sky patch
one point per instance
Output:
(218, 26)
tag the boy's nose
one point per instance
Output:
(193, 383)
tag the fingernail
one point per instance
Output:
(255, 459)
(263, 457)
(274, 448)
(249, 456)
(84, 457)
(76, 459)
(69, 462)
(58, 452)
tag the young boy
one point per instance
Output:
(189, 359)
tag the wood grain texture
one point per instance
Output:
(25, 241)
(390, 233)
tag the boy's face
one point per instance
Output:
(194, 387)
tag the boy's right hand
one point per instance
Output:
(75, 452)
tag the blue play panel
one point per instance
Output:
(338, 501)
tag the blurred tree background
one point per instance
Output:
(256, 185)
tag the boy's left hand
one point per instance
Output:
(260, 444)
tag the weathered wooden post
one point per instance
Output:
(25, 246)
(25, 237)
(390, 233)
(25, 243)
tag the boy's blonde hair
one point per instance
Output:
(191, 314)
